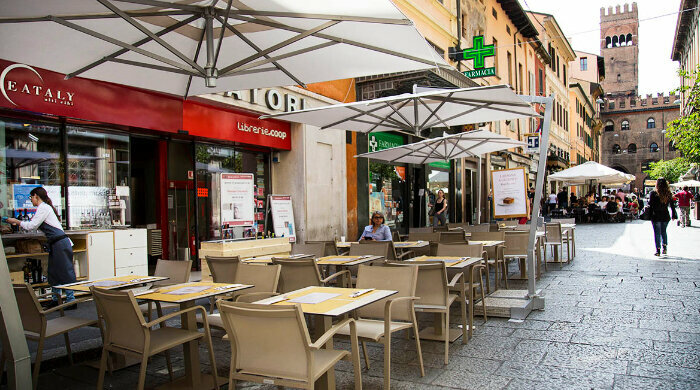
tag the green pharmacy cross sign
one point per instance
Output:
(478, 53)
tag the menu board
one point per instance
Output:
(283, 216)
(509, 193)
(237, 199)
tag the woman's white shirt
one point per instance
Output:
(44, 213)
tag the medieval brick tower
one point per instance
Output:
(619, 45)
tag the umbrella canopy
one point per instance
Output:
(591, 170)
(411, 113)
(188, 47)
(686, 183)
(468, 144)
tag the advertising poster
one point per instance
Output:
(237, 199)
(20, 197)
(509, 193)
(283, 216)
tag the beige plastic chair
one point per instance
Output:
(223, 269)
(264, 278)
(441, 228)
(428, 229)
(316, 249)
(432, 238)
(177, 271)
(515, 249)
(484, 227)
(377, 321)
(495, 255)
(555, 239)
(433, 292)
(391, 253)
(271, 345)
(453, 237)
(476, 278)
(38, 327)
(569, 235)
(331, 249)
(380, 248)
(126, 332)
(300, 273)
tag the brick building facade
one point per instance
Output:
(633, 126)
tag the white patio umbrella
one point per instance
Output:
(591, 170)
(411, 113)
(190, 47)
(469, 144)
(686, 183)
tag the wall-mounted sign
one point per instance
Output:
(237, 199)
(381, 140)
(270, 98)
(533, 142)
(510, 193)
(478, 53)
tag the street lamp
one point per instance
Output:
(663, 149)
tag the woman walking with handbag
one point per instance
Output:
(659, 202)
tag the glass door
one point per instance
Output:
(181, 202)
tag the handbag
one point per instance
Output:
(646, 214)
(431, 212)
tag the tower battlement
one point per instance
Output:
(615, 14)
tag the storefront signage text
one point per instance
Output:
(261, 130)
(272, 98)
(479, 52)
(11, 85)
(381, 141)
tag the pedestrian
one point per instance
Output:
(684, 197)
(440, 209)
(573, 199)
(60, 247)
(659, 201)
(563, 199)
(551, 202)
(376, 230)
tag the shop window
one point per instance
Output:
(387, 184)
(29, 157)
(632, 148)
(98, 178)
(214, 160)
(625, 125)
(654, 147)
(616, 149)
(651, 123)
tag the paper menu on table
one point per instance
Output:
(105, 283)
(188, 290)
(314, 298)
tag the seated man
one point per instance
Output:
(613, 210)
(603, 203)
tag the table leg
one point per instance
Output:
(323, 324)
(191, 349)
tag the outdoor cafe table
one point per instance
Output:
(339, 304)
(488, 244)
(459, 264)
(397, 244)
(267, 259)
(193, 376)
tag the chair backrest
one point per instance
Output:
(401, 279)
(509, 223)
(522, 227)
(268, 340)
(223, 269)
(516, 243)
(417, 236)
(29, 307)
(460, 250)
(395, 236)
(484, 227)
(297, 273)
(177, 271)
(493, 227)
(331, 249)
(566, 220)
(315, 249)
(375, 248)
(487, 236)
(428, 229)
(431, 286)
(441, 228)
(122, 318)
(460, 225)
(454, 237)
(552, 232)
(264, 278)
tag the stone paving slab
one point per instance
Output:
(616, 318)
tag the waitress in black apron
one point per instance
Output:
(60, 247)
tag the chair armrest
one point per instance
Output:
(177, 313)
(405, 254)
(332, 331)
(455, 279)
(64, 305)
(257, 295)
(390, 302)
(335, 275)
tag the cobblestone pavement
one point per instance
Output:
(616, 318)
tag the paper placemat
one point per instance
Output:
(343, 298)
(188, 290)
(314, 298)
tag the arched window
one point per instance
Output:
(629, 39)
(653, 148)
(615, 41)
(609, 126)
(651, 123)
(608, 42)
(625, 125)
(616, 149)
(622, 40)
(632, 148)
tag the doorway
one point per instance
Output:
(181, 227)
